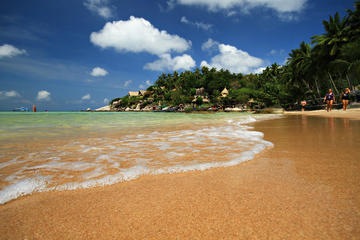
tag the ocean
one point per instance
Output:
(52, 151)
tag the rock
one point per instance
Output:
(233, 109)
(138, 107)
(148, 108)
(103, 109)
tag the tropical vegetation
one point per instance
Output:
(330, 60)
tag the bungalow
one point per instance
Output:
(205, 99)
(224, 92)
(133, 94)
(200, 91)
(143, 92)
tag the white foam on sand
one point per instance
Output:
(131, 156)
(23, 187)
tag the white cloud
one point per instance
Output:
(280, 6)
(86, 97)
(204, 26)
(100, 7)
(209, 45)
(9, 94)
(106, 100)
(8, 50)
(273, 52)
(138, 35)
(127, 83)
(98, 72)
(43, 95)
(259, 70)
(166, 62)
(231, 13)
(145, 85)
(205, 64)
(233, 59)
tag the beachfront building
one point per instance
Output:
(224, 92)
(200, 91)
(204, 99)
(143, 92)
(133, 94)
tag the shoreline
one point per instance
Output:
(352, 113)
(282, 193)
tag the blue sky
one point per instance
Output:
(71, 55)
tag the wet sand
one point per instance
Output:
(352, 113)
(306, 187)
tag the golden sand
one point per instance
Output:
(353, 113)
(306, 187)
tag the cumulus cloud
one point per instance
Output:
(9, 94)
(259, 70)
(43, 95)
(127, 83)
(233, 59)
(138, 35)
(98, 72)
(231, 13)
(201, 25)
(280, 6)
(86, 97)
(8, 50)
(275, 52)
(210, 45)
(100, 7)
(166, 62)
(145, 85)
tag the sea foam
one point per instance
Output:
(105, 161)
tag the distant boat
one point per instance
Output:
(21, 109)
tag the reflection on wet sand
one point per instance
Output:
(322, 150)
(306, 187)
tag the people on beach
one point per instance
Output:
(330, 99)
(345, 98)
(303, 104)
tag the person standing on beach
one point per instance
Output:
(330, 99)
(346, 98)
(303, 104)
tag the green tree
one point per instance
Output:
(335, 35)
(199, 101)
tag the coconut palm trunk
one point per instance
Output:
(333, 83)
(317, 87)
(350, 85)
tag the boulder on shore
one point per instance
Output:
(103, 109)
(233, 109)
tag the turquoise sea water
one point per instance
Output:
(59, 151)
(16, 125)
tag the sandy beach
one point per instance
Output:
(353, 113)
(306, 187)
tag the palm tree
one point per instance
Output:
(348, 62)
(327, 46)
(301, 61)
(335, 35)
(353, 22)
